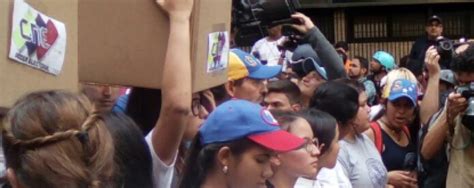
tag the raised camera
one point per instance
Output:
(445, 48)
(467, 91)
(251, 18)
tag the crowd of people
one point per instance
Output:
(313, 117)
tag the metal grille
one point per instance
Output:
(406, 23)
(370, 27)
(324, 20)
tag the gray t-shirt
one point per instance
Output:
(361, 162)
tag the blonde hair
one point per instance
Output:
(55, 139)
(399, 73)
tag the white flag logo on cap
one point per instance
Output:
(268, 117)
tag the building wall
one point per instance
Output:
(390, 28)
(366, 49)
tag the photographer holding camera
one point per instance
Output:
(315, 60)
(433, 37)
(454, 124)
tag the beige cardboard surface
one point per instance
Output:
(124, 42)
(17, 79)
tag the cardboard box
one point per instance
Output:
(17, 79)
(124, 42)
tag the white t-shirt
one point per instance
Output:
(162, 173)
(326, 178)
(269, 52)
(362, 163)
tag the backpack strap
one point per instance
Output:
(378, 140)
(377, 136)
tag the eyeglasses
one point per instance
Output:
(197, 103)
(196, 106)
(311, 145)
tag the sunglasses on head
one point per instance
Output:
(303, 66)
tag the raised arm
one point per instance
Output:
(430, 103)
(436, 136)
(326, 52)
(176, 88)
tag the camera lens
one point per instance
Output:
(447, 46)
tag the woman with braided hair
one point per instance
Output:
(55, 139)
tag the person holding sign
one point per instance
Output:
(175, 114)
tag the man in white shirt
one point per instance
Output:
(267, 51)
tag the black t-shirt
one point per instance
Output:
(418, 52)
(396, 157)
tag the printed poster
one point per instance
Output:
(37, 40)
(218, 53)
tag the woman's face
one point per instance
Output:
(361, 122)
(301, 162)
(400, 112)
(329, 157)
(250, 169)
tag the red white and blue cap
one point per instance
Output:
(243, 64)
(236, 119)
(404, 88)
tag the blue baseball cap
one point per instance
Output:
(404, 88)
(243, 64)
(236, 119)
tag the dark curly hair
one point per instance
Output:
(464, 62)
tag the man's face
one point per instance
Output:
(355, 70)
(375, 66)
(288, 74)
(103, 96)
(251, 89)
(464, 77)
(434, 29)
(277, 101)
(275, 31)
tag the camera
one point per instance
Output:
(467, 91)
(251, 18)
(290, 44)
(445, 48)
(265, 13)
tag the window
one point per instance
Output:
(406, 23)
(370, 27)
(324, 20)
